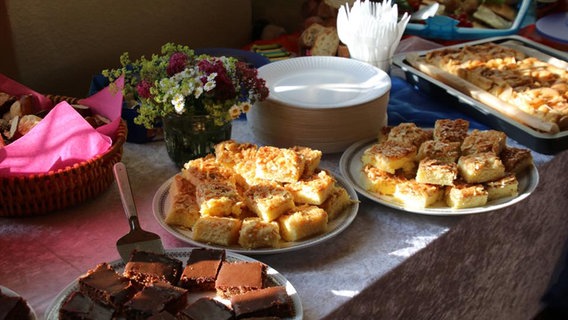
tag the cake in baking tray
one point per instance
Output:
(243, 190)
(454, 167)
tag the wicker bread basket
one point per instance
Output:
(38, 194)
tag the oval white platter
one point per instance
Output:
(275, 278)
(323, 82)
(350, 166)
(162, 202)
(10, 293)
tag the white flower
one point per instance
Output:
(179, 103)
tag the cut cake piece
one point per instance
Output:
(441, 150)
(266, 302)
(269, 200)
(201, 269)
(302, 222)
(337, 201)
(204, 170)
(482, 141)
(389, 156)
(147, 267)
(79, 306)
(413, 194)
(480, 167)
(258, 233)
(516, 160)
(218, 198)
(448, 130)
(240, 277)
(206, 308)
(408, 133)
(313, 189)
(279, 164)
(154, 298)
(184, 210)
(230, 152)
(505, 187)
(217, 230)
(436, 172)
(464, 195)
(312, 158)
(377, 180)
(104, 285)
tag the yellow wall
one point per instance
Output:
(56, 46)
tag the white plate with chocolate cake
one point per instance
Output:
(186, 283)
(447, 170)
(255, 200)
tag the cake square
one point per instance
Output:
(104, 285)
(441, 150)
(501, 188)
(408, 133)
(302, 222)
(337, 201)
(389, 156)
(436, 172)
(217, 230)
(79, 306)
(279, 164)
(480, 167)
(201, 269)
(448, 130)
(184, 210)
(147, 267)
(377, 180)
(230, 152)
(269, 200)
(154, 298)
(258, 233)
(313, 189)
(312, 158)
(218, 198)
(163, 315)
(206, 308)
(413, 194)
(207, 169)
(464, 195)
(270, 301)
(482, 141)
(240, 277)
(516, 160)
(12, 307)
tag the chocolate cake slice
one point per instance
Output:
(79, 306)
(155, 298)
(240, 277)
(13, 308)
(271, 301)
(201, 269)
(104, 285)
(206, 308)
(147, 267)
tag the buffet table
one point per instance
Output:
(387, 264)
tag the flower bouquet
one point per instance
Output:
(194, 97)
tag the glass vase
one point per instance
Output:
(189, 137)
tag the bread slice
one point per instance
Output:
(505, 187)
(389, 155)
(436, 172)
(312, 190)
(413, 194)
(326, 43)
(257, 233)
(269, 200)
(377, 180)
(337, 201)
(440, 150)
(464, 195)
(278, 164)
(217, 230)
(448, 130)
(480, 141)
(480, 167)
(302, 222)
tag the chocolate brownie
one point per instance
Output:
(79, 306)
(271, 301)
(201, 269)
(104, 285)
(12, 307)
(155, 298)
(206, 308)
(240, 277)
(147, 267)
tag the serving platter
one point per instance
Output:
(350, 165)
(10, 293)
(274, 278)
(162, 202)
(546, 143)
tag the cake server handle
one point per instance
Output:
(126, 196)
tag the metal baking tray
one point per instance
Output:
(544, 143)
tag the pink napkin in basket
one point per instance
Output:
(64, 137)
(15, 88)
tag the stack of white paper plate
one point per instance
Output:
(326, 103)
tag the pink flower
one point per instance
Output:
(143, 89)
(176, 64)
(224, 87)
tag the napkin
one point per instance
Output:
(371, 31)
(63, 138)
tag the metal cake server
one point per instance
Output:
(137, 238)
